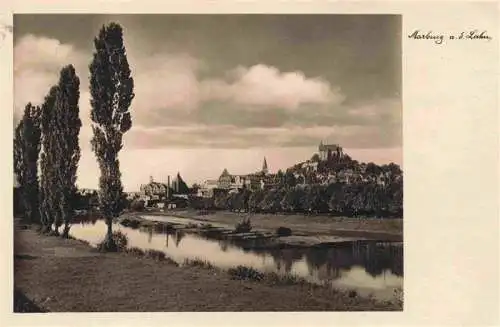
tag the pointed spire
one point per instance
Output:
(264, 166)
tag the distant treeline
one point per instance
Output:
(361, 199)
(371, 190)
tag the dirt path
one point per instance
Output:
(379, 229)
(66, 275)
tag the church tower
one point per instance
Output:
(264, 166)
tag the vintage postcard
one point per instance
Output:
(234, 161)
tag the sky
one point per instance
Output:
(225, 91)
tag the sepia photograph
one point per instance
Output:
(207, 162)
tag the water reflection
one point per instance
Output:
(150, 235)
(358, 265)
(178, 236)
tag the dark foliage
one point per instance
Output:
(245, 273)
(26, 154)
(67, 125)
(18, 206)
(49, 192)
(356, 190)
(23, 305)
(120, 242)
(137, 205)
(111, 89)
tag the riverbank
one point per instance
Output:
(302, 225)
(67, 275)
(263, 238)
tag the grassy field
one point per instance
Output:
(68, 276)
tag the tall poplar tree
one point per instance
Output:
(67, 149)
(18, 154)
(26, 153)
(48, 187)
(111, 89)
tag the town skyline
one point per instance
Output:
(239, 169)
(207, 99)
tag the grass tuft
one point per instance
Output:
(155, 254)
(197, 262)
(245, 273)
(287, 279)
(136, 251)
(159, 256)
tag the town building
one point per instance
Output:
(259, 180)
(154, 189)
(206, 189)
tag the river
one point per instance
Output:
(366, 266)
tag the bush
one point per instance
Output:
(283, 231)
(244, 227)
(121, 241)
(245, 273)
(137, 205)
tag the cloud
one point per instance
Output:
(231, 137)
(37, 63)
(389, 110)
(164, 81)
(247, 107)
(265, 86)
(40, 53)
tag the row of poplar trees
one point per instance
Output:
(46, 145)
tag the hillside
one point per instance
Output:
(330, 183)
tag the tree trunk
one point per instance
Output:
(56, 230)
(46, 229)
(65, 233)
(110, 244)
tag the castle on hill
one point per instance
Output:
(326, 151)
